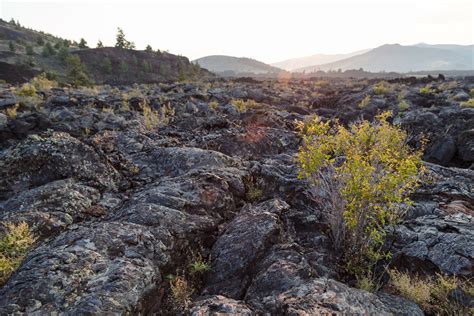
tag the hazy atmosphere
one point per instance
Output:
(269, 31)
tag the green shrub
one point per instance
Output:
(199, 266)
(364, 173)
(242, 106)
(471, 92)
(213, 105)
(382, 88)
(13, 248)
(365, 102)
(40, 41)
(76, 72)
(29, 50)
(63, 53)
(41, 82)
(154, 118)
(403, 105)
(48, 50)
(27, 97)
(426, 89)
(107, 65)
(11, 111)
(26, 90)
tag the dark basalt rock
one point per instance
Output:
(118, 205)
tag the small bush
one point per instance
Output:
(403, 105)
(213, 105)
(468, 104)
(426, 89)
(252, 190)
(27, 96)
(434, 295)
(199, 266)
(365, 102)
(242, 106)
(41, 82)
(153, 118)
(412, 288)
(11, 111)
(13, 248)
(382, 88)
(48, 50)
(26, 90)
(471, 92)
(321, 84)
(11, 47)
(29, 50)
(364, 175)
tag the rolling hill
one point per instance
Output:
(25, 52)
(398, 58)
(236, 66)
(317, 59)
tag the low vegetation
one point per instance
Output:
(13, 248)
(365, 102)
(242, 105)
(364, 173)
(382, 88)
(426, 89)
(433, 295)
(156, 118)
(403, 105)
(186, 282)
(468, 104)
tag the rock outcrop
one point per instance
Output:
(119, 205)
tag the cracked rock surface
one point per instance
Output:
(117, 207)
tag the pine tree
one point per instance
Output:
(122, 42)
(83, 43)
(149, 48)
(99, 44)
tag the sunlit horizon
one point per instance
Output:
(266, 31)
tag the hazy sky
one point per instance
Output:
(266, 30)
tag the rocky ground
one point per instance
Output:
(118, 205)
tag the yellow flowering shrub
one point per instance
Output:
(366, 172)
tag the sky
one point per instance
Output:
(266, 30)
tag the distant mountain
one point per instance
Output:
(317, 59)
(236, 66)
(398, 58)
(25, 52)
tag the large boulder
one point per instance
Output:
(93, 269)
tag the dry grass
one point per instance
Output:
(242, 106)
(412, 288)
(13, 248)
(365, 102)
(468, 104)
(181, 292)
(11, 111)
(434, 295)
